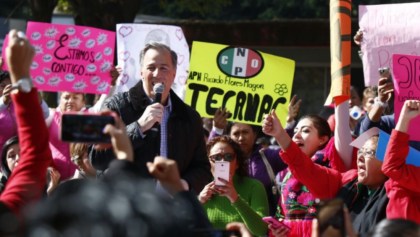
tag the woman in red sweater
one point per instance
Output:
(403, 186)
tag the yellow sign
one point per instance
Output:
(246, 82)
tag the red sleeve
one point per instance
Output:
(336, 162)
(395, 167)
(321, 181)
(28, 179)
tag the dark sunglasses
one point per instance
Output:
(218, 157)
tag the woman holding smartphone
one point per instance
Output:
(238, 199)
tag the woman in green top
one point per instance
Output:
(239, 199)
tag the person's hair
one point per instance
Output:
(77, 150)
(114, 207)
(4, 75)
(396, 227)
(321, 125)
(158, 46)
(357, 90)
(240, 157)
(79, 93)
(368, 92)
(255, 128)
(4, 167)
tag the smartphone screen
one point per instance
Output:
(221, 170)
(86, 128)
(274, 222)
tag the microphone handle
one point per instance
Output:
(158, 98)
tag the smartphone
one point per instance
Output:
(221, 170)
(215, 233)
(87, 128)
(331, 218)
(274, 222)
(384, 72)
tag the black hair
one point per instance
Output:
(4, 167)
(396, 227)
(116, 207)
(240, 156)
(4, 75)
(321, 126)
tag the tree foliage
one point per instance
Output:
(248, 9)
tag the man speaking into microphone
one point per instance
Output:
(158, 122)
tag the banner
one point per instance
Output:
(246, 82)
(4, 67)
(71, 58)
(340, 38)
(131, 39)
(387, 29)
(406, 71)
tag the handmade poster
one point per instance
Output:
(247, 82)
(387, 29)
(71, 58)
(406, 73)
(4, 67)
(412, 157)
(340, 38)
(131, 38)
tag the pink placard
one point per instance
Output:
(387, 29)
(3, 53)
(71, 58)
(406, 73)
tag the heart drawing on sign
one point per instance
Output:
(125, 55)
(124, 31)
(180, 59)
(179, 34)
(124, 78)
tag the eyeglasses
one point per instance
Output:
(366, 153)
(218, 157)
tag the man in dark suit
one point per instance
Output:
(160, 123)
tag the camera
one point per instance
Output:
(87, 128)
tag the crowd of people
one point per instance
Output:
(317, 176)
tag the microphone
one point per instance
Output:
(158, 89)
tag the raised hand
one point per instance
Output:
(385, 89)
(294, 107)
(153, 114)
(6, 94)
(207, 192)
(410, 110)
(166, 171)
(358, 38)
(19, 55)
(121, 144)
(227, 190)
(220, 118)
(271, 124)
